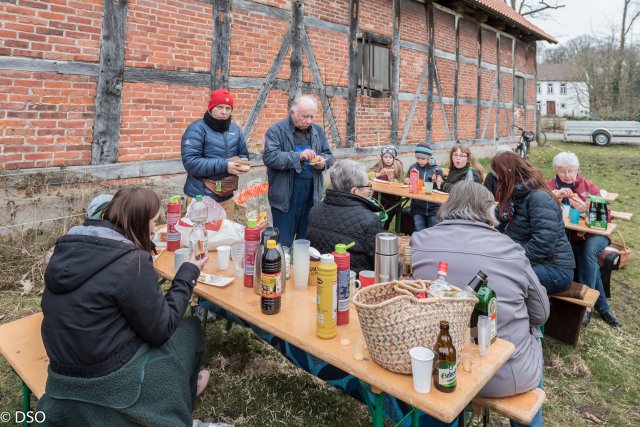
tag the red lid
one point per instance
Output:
(443, 267)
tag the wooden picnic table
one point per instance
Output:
(582, 226)
(611, 197)
(296, 324)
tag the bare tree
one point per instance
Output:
(628, 19)
(534, 8)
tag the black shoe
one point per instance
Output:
(587, 318)
(611, 319)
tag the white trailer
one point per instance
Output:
(601, 132)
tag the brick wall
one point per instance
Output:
(47, 117)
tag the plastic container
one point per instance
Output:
(198, 211)
(174, 212)
(326, 302)
(469, 175)
(251, 243)
(413, 180)
(270, 298)
(343, 261)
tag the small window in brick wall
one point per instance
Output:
(374, 70)
(518, 85)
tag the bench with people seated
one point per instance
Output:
(520, 408)
(565, 320)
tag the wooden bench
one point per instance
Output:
(565, 319)
(520, 408)
(21, 346)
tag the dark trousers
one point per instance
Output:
(293, 224)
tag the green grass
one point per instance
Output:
(253, 385)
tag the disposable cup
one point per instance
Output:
(467, 362)
(237, 256)
(358, 348)
(565, 211)
(180, 257)
(421, 365)
(223, 257)
(428, 187)
(367, 278)
(301, 263)
(484, 335)
(354, 284)
(574, 216)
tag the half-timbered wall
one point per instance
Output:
(69, 96)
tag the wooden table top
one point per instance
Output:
(296, 324)
(403, 191)
(582, 226)
(611, 197)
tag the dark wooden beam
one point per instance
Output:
(354, 13)
(394, 64)
(479, 78)
(443, 110)
(221, 44)
(431, 38)
(297, 28)
(106, 131)
(498, 87)
(456, 81)
(266, 86)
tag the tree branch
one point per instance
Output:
(543, 5)
(626, 30)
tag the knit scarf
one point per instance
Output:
(216, 124)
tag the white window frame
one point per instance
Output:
(549, 88)
(563, 88)
(538, 89)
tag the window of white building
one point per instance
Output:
(549, 88)
(538, 90)
(563, 88)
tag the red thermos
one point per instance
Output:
(174, 212)
(251, 243)
(343, 260)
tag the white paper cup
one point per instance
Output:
(301, 263)
(180, 256)
(223, 257)
(421, 366)
(565, 211)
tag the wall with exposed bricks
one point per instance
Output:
(47, 117)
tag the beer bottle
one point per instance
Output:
(271, 281)
(444, 364)
(486, 306)
(407, 269)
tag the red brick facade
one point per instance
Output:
(47, 117)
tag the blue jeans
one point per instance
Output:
(587, 270)
(420, 222)
(554, 279)
(293, 224)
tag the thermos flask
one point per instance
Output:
(386, 260)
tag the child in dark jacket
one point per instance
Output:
(423, 212)
(388, 168)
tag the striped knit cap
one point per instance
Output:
(423, 151)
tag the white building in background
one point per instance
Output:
(561, 91)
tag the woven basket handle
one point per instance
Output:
(624, 245)
(410, 288)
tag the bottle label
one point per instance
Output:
(343, 290)
(447, 374)
(218, 186)
(493, 317)
(271, 285)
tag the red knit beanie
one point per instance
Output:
(220, 96)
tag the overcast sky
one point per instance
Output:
(594, 17)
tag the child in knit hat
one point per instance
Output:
(388, 168)
(423, 212)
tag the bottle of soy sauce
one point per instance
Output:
(271, 279)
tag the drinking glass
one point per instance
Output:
(301, 263)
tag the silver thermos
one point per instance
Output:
(386, 261)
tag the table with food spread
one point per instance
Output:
(296, 324)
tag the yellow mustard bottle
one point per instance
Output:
(327, 300)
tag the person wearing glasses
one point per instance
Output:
(571, 188)
(296, 152)
(347, 214)
(460, 158)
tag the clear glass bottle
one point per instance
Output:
(198, 241)
(469, 176)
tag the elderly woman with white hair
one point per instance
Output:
(571, 188)
(347, 214)
(465, 238)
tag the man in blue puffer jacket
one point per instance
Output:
(296, 152)
(208, 143)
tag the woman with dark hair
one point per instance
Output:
(533, 219)
(120, 351)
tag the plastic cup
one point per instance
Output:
(420, 185)
(565, 211)
(484, 335)
(237, 256)
(574, 216)
(428, 187)
(354, 284)
(358, 348)
(301, 263)
(467, 362)
(180, 256)
(367, 278)
(421, 365)
(223, 257)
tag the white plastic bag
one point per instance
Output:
(229, 233)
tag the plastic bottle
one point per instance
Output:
(326, 302)
(251, 243)
(270, 298)
(343, 261)
(174, 212)
(198, 240)
(469, 176)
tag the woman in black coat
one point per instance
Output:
(346, 215)
(533, 219)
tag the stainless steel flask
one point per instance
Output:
(386, 260)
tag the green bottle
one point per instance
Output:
(486, 306)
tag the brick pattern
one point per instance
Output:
(47, 118)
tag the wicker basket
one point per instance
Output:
(625, 252)
(393, 321)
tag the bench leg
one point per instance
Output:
(565, 321)
(26, 402)
(377, 413)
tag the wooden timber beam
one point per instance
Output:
(431, 62)
(479, 87)
(354, 13)
(394, 64)
(456, 81)
(106, 131)
(221, 44)
(297, 28)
